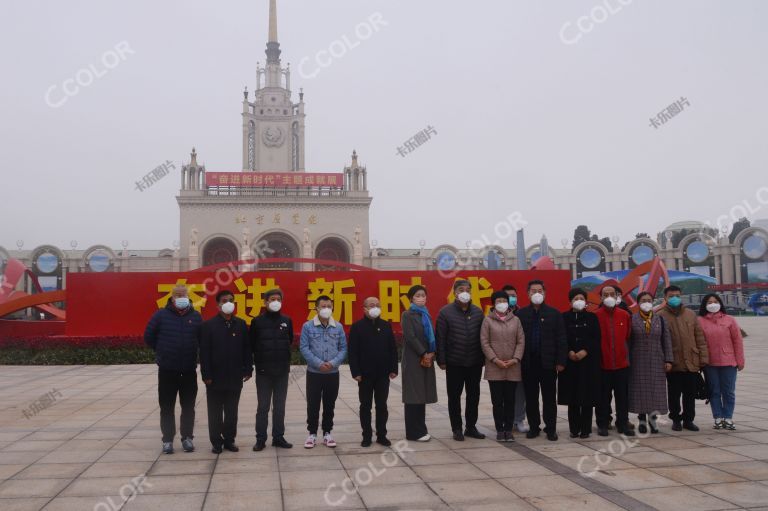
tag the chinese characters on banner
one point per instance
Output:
(274, 179)
(90, 296)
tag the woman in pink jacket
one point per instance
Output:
(726, 357)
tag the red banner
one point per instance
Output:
(274, 179)
(122, 303)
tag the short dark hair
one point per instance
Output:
(612, 286)
(509, 287)
(536, 282)
(224, 292)
(271, 292)
(642, 294)
(415, 289)
(618, 289)
(323, 298)
(670, 289)
(462, 282)
(703, 309)
(576, 291)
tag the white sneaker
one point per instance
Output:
(718, 424)
(328, 440)
(425, 438)
(728, 424)
(522, 427)
(310, 442)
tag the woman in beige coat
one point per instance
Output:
(503, 342)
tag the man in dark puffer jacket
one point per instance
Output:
(172, 333)
(271, 339)
(459, 353)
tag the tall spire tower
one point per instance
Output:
(273, 47)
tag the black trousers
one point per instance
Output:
(503, 400)
(169, 385)
(372, 389)
(321, 388)
(682, 384)
(222, 415)
(271, 390)
(537, 378)
(415, 421)
(580, 419)
(613, 384)
(456, 379)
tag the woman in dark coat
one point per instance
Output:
(650, 358)
(419, 386)
(579, 384)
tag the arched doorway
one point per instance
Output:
(219, 250)
(276, 245)
(331, 249)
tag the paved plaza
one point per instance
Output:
(100, 432)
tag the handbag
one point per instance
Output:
(702, 389)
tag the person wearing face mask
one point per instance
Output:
(460, 355)
(579, 383)
(726, 357)
(545, 355)
(225, 363)
(650, 359)
(519, 421)
(271, 336)
(373, 363)
(690, 355)
(323, 344)
(418, 371)
(172, 333)
(503, 343)
(615, 329)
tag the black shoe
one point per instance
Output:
(458, 435)
(532, 433)
(602, 431)
(642, 428)
(552, 437)
(574, 435)
(626, 431)
(231, 447)
(654, 429)
(281, 442)
(260, 445)
(366, 442)
(677, 426)
(690, 426)
(216, 449)
(383, 441)
(585, 435)
(474, 433)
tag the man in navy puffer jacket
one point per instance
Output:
(172, 333)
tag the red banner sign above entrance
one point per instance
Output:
(274, 179)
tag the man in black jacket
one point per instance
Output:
(545, 355)
(172, 334)
(225, 363)
(271, 339)
(373, 362)
(460, 355)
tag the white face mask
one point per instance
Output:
(537, 298)
(325, 312)
(618, 299)
(579, 305)
(182, 302)
(228, 308)
(609, 302)
(713, 307)
(374, 312)
(464, 297)
(275, 305)
(502, 307)
(646, 307)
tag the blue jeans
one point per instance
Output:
(721, 381)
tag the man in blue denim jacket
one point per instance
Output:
(324, 346)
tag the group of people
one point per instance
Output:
(647, 363)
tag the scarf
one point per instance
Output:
(647, 319)
(426, 322)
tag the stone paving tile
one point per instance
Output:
(104, 433)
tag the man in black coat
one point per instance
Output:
(271, 339)
(172, 334)
(460, 355)
(225, 363)
(545, 355)
(373, 362)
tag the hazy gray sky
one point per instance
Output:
(526, 122)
